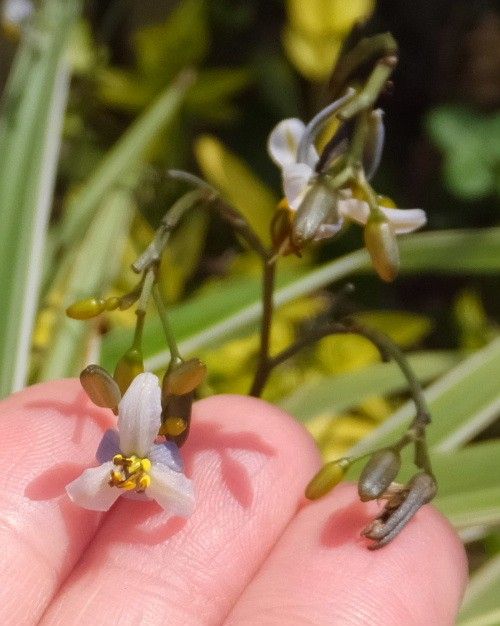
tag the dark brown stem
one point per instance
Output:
(263, 369)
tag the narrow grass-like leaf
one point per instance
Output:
(123, 158)
(481, 605)
(203, 321)
(334, 394)
(462, 403)
(30, 127)
(91, 270)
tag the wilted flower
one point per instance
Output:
(132, 463)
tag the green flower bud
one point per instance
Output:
(380, 241)
(378, 474)
(86, 309)
(315, 209)
(100, 387)
(128, 367)
(328, 477)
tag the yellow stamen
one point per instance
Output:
(133, 473)
(128, 485)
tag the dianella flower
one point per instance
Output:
(319, 210)
(132, 463)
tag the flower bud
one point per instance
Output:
(176, 412)
(378, 474)
(128, 367)
(315, 209)
(374, 143)
(327, 478)
(380, 241)
(100, 387)
(184, 377)
(86, 309)
(110, 304)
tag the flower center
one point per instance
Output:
(132, 472)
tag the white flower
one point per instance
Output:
(401, 220)
(291, 147)
(131, 463)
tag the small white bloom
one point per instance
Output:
(291, 147)
(131, 463)
(401, 220)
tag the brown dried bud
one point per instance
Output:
(378, 474)
(100, 387)
(184, 377)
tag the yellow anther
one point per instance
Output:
(144, 481)
(283, 204)
(133, 473)
(134, 466)
(116, 478)
(128, 485)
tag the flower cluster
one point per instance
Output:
(319, 207)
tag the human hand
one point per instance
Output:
(252, 553)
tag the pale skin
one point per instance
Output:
(254, 552)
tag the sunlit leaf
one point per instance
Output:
(30, 130)
(237, 183)
(334, 394)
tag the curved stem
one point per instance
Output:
(169, 335)
(388, 349)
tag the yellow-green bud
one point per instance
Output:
(100, 387)
(128, 367)
(86, 309)
(378, 474)
(328, 477)
(380, 241)
(110, 304)
(184, 377)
